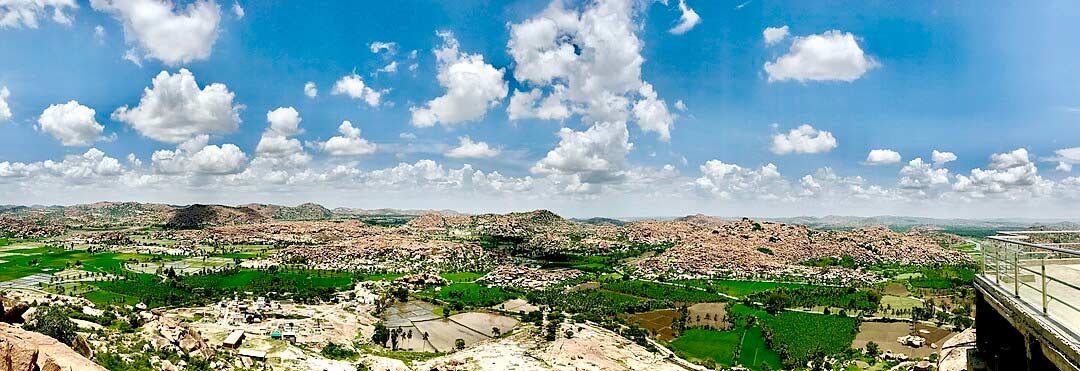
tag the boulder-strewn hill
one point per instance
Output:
(113, 214)
(344, 212)
(198, 216)
(750, 247)
(600, 221)
(305, 211)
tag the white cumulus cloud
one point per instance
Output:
(921, 176)
(354, 87)
(596, 155)
(774, 35)
(196, 156)
(729, 181)
(941, 158)
(310, 90)
(523, 105)
(882, 157)
(174, 109)
(831, 56)
(687, 21)
(5, 109)
(1066, 158)
(803, 139)
(472, 87)
(349, 143)
(25, 13)
(389, 68)
(652, 115)
(167, 31)
(588, 60)
(284, 121)
(71, 123)
(467, 148)
(383, 46)
(1011, 175)
(237, 10)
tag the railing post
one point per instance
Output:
(997, 264)
(982, 254)
(1016, 273)
(1043, 261)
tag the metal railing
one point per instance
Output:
(1040, 268)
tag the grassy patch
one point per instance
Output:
(471, 295)
(709, 347)
(50, 259)
(205, 288)
(738, 288)
(596, 305)
(945, 277)
(799, 337)
(334, 351)
(381, 276)
(401, 355)
(653, 290)
(462, 276)
(754, 351)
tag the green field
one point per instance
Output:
(799, 337)
(659, 291)
(744, 346)
(381, 276)
(738, 288)
(471, 295)
(595, 304)
(462, 276)
(708, 345)
(754, 351)
(25, 262)
(587, 263)
(944, 277)
(205, 288)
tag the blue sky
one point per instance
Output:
(910, 78)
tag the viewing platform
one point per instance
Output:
(1028, 307)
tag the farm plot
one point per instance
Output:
(657, 322)
(884, 334)
(516, 306)
(432, 333)
(184, 266)
(443, 333)
(485, 323)
(708, 315)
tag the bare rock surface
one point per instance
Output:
(22, 350)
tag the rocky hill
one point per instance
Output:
(305, 211)
(198, 216)
(751, 247)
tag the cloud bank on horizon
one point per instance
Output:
(598, 107)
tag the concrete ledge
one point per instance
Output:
(1059, 345)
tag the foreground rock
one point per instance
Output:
(590, 348)
(22, 350)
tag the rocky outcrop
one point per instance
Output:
(170, 335)
(11, 310)
(22, 350)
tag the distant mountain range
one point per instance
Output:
(198, 215)
(102, 214)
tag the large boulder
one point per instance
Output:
(22, 350)
(11, 310)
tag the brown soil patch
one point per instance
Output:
(897, 289)
(708, 315)
(658, 322)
